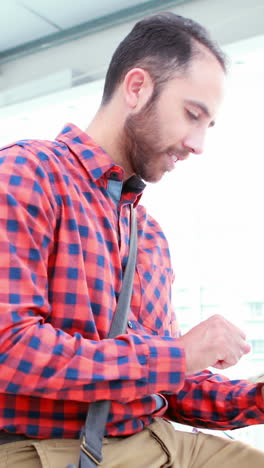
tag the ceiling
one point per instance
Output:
(51, 44)
(28, 24)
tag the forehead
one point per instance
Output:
(202, 81)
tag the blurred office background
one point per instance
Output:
(53, 57)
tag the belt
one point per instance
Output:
(7, 438)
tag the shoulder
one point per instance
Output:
(32, 158)
(28, 170)
(38, 150)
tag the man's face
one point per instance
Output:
(175, 124)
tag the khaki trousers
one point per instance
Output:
(158, 446)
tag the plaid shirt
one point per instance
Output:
(64, 242)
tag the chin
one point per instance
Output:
(151, 173)
(152, 178)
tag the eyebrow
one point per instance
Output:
(202, 107)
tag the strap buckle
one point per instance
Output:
(89, 454)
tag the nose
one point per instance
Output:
(194, 141)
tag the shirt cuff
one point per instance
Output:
(167, 364)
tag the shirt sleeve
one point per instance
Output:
(35, 358)
(212, 401)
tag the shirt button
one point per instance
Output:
(114, 176)
(130, 324)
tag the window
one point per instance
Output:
(258, 347)
(256, 311)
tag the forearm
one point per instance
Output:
(213, 401)
(42, 361)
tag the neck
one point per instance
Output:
(106, 129)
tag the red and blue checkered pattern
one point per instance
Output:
(64, 244)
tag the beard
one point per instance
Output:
(141, 144)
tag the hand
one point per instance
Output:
(215, 342)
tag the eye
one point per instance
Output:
(192, 115)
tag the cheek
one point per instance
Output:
(172, 132)
(172, 125)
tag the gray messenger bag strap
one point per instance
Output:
(93, 432)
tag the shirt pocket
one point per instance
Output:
(155, 313)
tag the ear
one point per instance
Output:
(138, 88)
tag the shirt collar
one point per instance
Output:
(96, 161)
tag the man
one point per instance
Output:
(64, 212)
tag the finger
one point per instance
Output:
(246, 348)
(243, 346)
(221, 365)
(238, 331)
(230, 359)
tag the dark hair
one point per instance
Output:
(161, 44)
